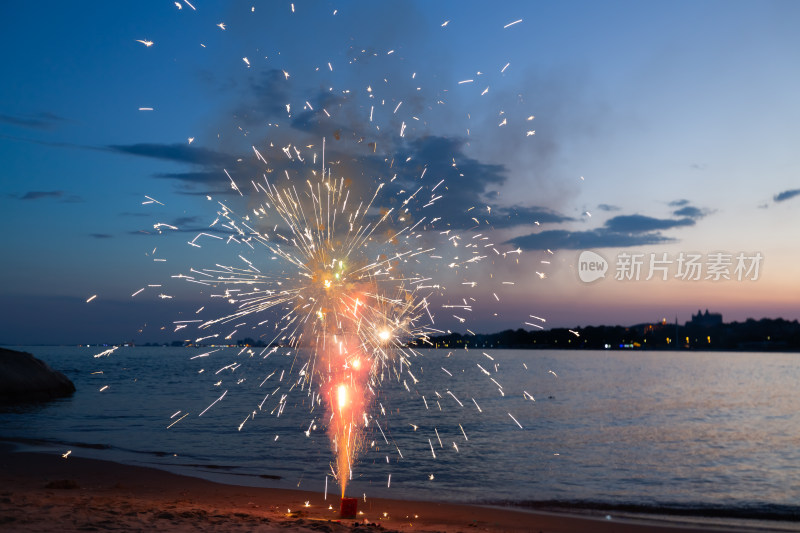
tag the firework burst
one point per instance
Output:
(342, 299)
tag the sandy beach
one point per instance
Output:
(47, 492)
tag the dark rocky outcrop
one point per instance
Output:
(24, 378)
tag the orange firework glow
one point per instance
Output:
(347, 401)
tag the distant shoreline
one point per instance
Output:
(699, 335)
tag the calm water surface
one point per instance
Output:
(655, 429)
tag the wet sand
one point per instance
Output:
(46, 492)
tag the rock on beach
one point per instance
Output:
(24, 378)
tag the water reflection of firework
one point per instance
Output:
(340, 293)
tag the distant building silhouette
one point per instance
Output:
(707, 320)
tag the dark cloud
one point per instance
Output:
(208, 165)
(269, 92)
(466, 183)
(194, 230)
(786, 195)
(690, 212)
(642, 223)
(39, 121)
(38, 195)
(63, 197)
(618, 232)
(314, 120)
(506, 217)
(207, 192)
(101, 235)
(185, 221)
(179, 152)
(576, 240)
(210, 176)
(607, 207)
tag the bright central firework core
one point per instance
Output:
(342, 397)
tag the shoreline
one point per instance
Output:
(531, 347)
(40, 490)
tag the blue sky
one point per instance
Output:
(659, 128)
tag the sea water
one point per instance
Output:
(685, 431)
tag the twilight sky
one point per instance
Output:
(623, 128)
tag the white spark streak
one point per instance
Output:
(476, 405)
(456, 399)
(151, 201)
(214, 403)
(178, 420)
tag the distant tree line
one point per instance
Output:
(240, 342)
(751, 335)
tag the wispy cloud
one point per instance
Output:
(467, 185)
(786, 195)
(185, 221)
(38, 195)
(101, 235)
(690, 211)
(465, 181)
(642, 223)
(201, 176)
(39, 121)
(61, 196)
(576, 240)
(621, 231)
(608, 207)
(182, 153)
